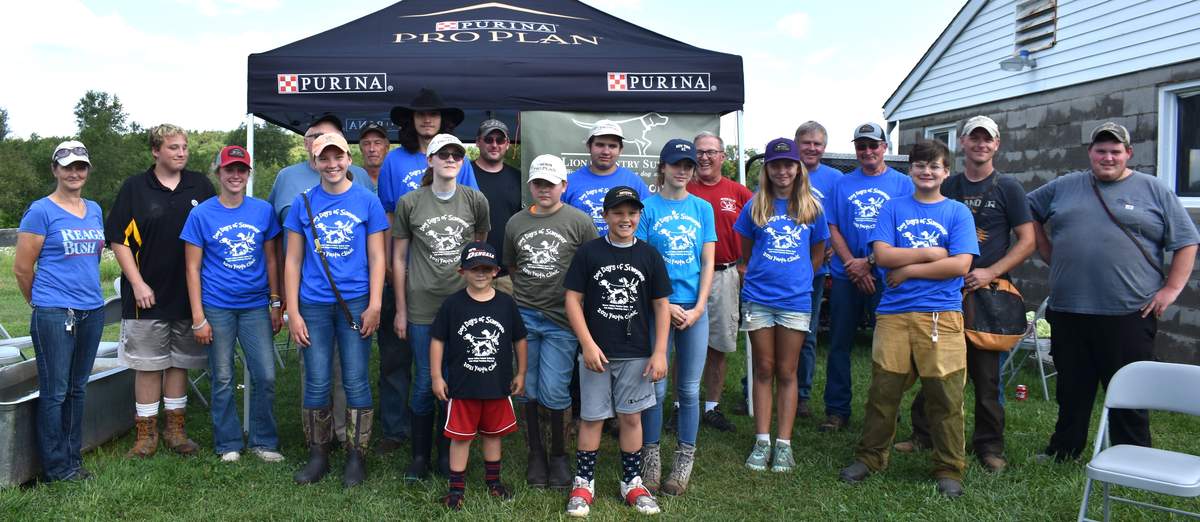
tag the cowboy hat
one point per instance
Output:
(427, 100)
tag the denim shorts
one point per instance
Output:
(756, 316)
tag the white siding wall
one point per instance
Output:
(1096, 39)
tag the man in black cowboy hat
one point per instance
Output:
(426, 117)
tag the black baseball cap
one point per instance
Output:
(329, 117)
(373, 127)
(622, 194)
(478, 253)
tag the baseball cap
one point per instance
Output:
(478, 253)
(607, 128)
(782, 148)
(444, 140)
(622, 194)
(69, 152)
(870, 131)
(373, 127)
(1118, 131)
(327, 140)
(548, 167)
(676, 151)
(981, 122)
(492, 125)
(329, 117)
(234, 154)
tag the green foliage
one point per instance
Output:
(730, 168)
(274, 149)
(20, 184)
(3, 123)
(117, 149)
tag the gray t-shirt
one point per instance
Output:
(437, 230)
(541, 246)
(1095, 269)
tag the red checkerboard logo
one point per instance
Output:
(446, 26)
(618, 81)
(288, 84)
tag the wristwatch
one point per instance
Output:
(276, 303)
(871, 258)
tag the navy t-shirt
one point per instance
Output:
(343, 222)
(68, 267)
(908, 223)
(233, 273)
(478, 339)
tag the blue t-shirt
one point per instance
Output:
(401, 173)
(233, 272)
(679, 230)
(908, 223)
(780, 271)
(585, 191)
(294, 179)
(855, 205)
(822, 180)
(68, 267)
(344, 222)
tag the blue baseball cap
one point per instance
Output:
(676, 151)
(782, 148)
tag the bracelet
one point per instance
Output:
(201, 325)
(275, 296)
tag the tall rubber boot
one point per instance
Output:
(358, 438)
(561, 475)
(318, 425)
(536, 467)
(422, 437)
(443, 443)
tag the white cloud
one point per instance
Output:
(820, 56)
(231, 7)
(794, 24)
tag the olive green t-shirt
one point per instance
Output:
(541, 246)
(437, 230)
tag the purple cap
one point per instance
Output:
(782, 148)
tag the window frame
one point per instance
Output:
(1168, 128)
(951, 128)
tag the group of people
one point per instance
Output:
(588, 298)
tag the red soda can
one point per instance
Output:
(1022, 392)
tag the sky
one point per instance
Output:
(184, 61)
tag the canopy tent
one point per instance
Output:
(555, 55)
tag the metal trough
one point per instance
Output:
(107, 414)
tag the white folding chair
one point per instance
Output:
(1146, 385)
(1036, 348)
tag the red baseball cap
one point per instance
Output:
(234, 154)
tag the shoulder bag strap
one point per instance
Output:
(1154, 265)
(325, 264)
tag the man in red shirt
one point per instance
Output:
(727, 198)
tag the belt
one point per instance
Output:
(721, 267)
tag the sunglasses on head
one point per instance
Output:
(498, 140)
(447, 154)
(872, 145)
(64, 152)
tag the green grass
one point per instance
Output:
(203, 488)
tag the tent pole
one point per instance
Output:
(250, 149)
(741, 165)
(246, 363)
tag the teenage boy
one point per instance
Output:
(539, 244)
(614, 286)
(593, 181)
(477, 329)
(925, 243)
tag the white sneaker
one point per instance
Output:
(637, 496)
(230, 456)
(268, 455)
(582, 493)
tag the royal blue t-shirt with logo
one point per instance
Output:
(679, 229)
(855, 205)
(908, 223)
(586, 190)
(780, 271)
(68, 267)
(342, 222)
(822, 180)
(233, 272)
(402, 171)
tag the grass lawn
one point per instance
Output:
(203, 488)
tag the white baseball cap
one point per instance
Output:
(981, 122)
(607, 128)
(442, 140)
(548, 167)
(69, 152)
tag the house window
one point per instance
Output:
(945, 133)
(1035, 25)
(1179, 140)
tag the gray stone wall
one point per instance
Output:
(1045, 135)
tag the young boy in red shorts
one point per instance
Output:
(477, 329)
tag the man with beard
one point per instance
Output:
(502, 186)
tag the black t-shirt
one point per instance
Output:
(503, 191)
(998, 205)
(618, 287)
(148, 218)
(478, 339)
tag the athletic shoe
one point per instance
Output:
(268, 455)
(759, 456)
(783, 461)
(638, 497)
(230, 456)
(582, 494)
(715, 419)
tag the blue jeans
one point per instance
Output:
(395, 372)
(421, 401)
(846, 308)
(250, 328)
(808, 352)
(550, 359)
(325, 323)
(64, 363)
(690, 348)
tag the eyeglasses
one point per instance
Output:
(499, 140)
(68, 151)
(709, 153)
(447, 154)
(872, 145)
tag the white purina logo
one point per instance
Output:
(336, 231)
(867, 203)
(482, 335)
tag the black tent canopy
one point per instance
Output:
(515, 55)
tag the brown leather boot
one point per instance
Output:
(176, 436)
(146, 443)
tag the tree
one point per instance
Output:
(3, 123)
(21, 183)
(274, 149)
(730, 168)
(117, 149)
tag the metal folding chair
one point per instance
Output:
(1036, 348)
(1146, 385)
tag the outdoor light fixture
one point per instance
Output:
(1018, 62)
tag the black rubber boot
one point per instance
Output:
(422, 433)
(443, 443)
(561, 476)
(318, 426)
(535, 469)
(358, 438)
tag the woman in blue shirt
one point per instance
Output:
(682, 227)
(783, 241)
(333, 277)
(231, 276)
(63, 234)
